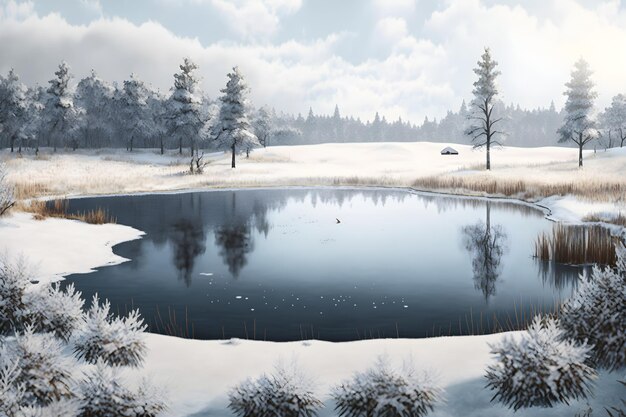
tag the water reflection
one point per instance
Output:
(188, 242)
(486, 244)
(559, 276)
(235, 243)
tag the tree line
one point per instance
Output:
(97, 114)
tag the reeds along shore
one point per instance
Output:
(60, 209)
(577, 245)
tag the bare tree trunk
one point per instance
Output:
(247, 153)
(12, 144)
(580, 153)
(180, 146)
(232, 165)
(161, 142)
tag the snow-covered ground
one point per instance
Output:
(198, 374)
(87, 172)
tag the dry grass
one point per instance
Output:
(589, 189)
(59, 209)
(577, 245)
(30, 189)
(619, 220)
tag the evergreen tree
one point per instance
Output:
(186, 119)
(94, 96)
(233, 130)
(13, 108)
(614, 119)
(61, 117)
(135, 118)
(579, 126)
(263, 126)
(482, 129)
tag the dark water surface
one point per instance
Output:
(275, 264)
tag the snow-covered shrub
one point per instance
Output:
(7, 198)
(14, 279)
(285, 393)
(61, 408)
(53, 310)
(11, 392)
(383, 391)
(540, 369)
(118, 341)
(104, 395)
(596, 313)
(44, 372)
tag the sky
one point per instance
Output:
(401, 58)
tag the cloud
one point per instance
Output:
(394, 7)
(417, 75)
(255, 17)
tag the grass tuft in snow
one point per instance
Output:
(59, 208)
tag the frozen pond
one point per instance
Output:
(276, 264)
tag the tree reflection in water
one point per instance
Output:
(235, 242)
(188, 242)
(486, 244)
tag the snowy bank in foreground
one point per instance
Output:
(60, 247)
(198, 374)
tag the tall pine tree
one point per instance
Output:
(579, 125)
(482, 129)
(233, 130)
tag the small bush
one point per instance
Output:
(386, 392)
(541, 369)
(44, 373)
(7, 193)
(104, 395)
(14, 279)
(116, 341)
(52, 310)
(596, 313)
(285, 393)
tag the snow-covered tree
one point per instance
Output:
(385, 391)
(596, 313)
(14, 280)
(94, 96)
(44, 372)
(134, 113)
(483, 120)
(579, 125)
(233, 130)
(13, 108)
(115, 340)
(613, 120)
(7, 197)
(61, 118)
(186, 118)
(103, 394)
(263, 126)
(284, 393)
(51, 309)
(540, 368)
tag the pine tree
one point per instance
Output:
(233, 130)
(263, 126)
(579, 125)
(94, 96)
(186, 119)
(13, 108)
(61, 117)
(135, 118)
(483, 120)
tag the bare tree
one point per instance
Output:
(7, 199)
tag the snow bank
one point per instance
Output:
(61, 247)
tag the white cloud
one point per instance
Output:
(255, 17)
(417, 76)
(394, 7)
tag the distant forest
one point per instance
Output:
(93, 113)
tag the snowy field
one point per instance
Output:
(198, 374)
(88, 172)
